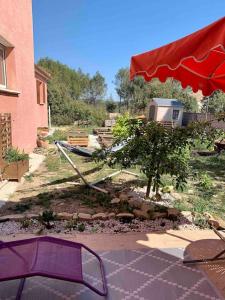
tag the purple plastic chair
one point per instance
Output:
(48, 257)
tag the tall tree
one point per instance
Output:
(96, 88)
(122, 84)
(214, 103)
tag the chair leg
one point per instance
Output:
(20, 289)
(206, 260)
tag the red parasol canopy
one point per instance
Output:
(197, 60)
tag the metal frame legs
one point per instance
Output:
(20, 289)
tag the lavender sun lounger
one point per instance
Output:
(45, 256)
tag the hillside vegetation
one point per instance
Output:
(74, 95)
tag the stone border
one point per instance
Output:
(216, 222)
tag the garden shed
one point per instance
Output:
(166, 111)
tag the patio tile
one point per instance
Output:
(110, 267)
(150, 265)
(122, 256)
(171, 255)
(35, 293)
(114, 294)
(175, 252)
(182, 276)
(194, 296)
(8, 289)
(206, 288)
(127, 280)
(58, 287)
(158, 290)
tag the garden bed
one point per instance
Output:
(55, 187)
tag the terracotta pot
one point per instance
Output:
(42, 144)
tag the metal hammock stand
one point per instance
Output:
(78, 151)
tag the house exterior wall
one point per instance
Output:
(16, 28)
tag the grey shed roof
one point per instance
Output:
(167, 102)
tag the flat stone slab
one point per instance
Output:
(18, 217)
(84, 217)
(64, 216)
(100, 216)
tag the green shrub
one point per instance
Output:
(58, 135)
(13, 154)
(200, 221)
(205, 181)
(121, 130)
(29, 177)
(81, 227)
(22, 207)
(26, 223)
(199, 145)
(47, 217)
(71, 224)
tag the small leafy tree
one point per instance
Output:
(158, 150)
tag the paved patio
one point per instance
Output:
(138, 266)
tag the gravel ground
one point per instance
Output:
(108, 226)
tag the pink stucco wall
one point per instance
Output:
(16, 27)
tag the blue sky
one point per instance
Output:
(103, 34)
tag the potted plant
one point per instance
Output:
(14, 164)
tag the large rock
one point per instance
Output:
(17, 217)
(176, 196)
(111, 215)
(32, 216)
(100, 216)
(135, 202)
(75, 216)
(140, 214)
(64, 216)
(158, 215)
(215, 221)
(221, 222)
(173, 212)
(132, 194)
(125, 215)
(214, 224)
(115, 201)
(84, 217)
(123, 197)
(147, 207)
(187, 215)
